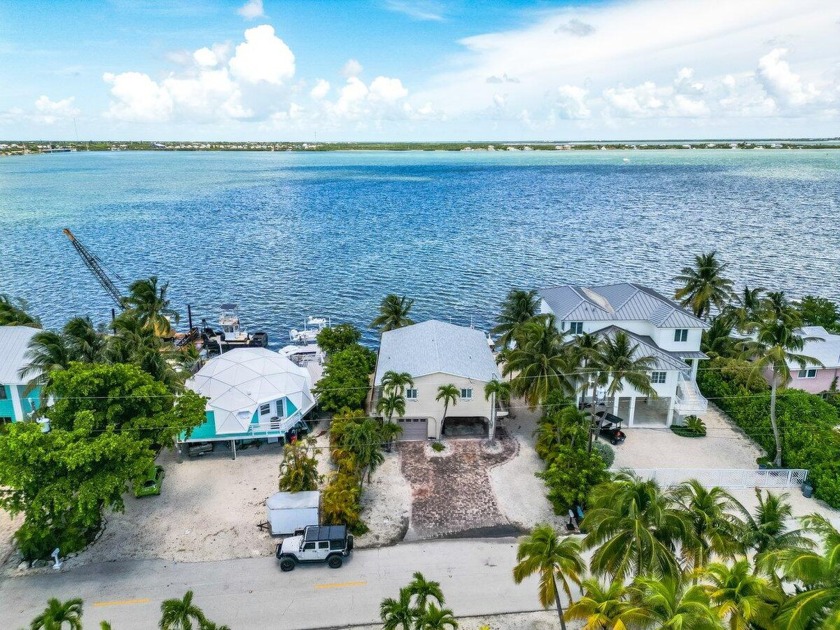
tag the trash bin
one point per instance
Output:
(807, 490)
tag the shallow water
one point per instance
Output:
(287, 235)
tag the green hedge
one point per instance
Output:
(806, 421)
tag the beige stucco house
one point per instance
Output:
(435, 353)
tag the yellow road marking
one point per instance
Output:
(122, 602)
(340, 585)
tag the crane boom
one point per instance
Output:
(95, 266)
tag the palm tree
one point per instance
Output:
(767, 529)
(717, 339)
(498, 393)
(299, 468)
(747, 308)
(739, 595)
(622, 364)
(543, 552)
(13, 313)
(390, 432)
(59, 614)
(391, 404)
(86, 344)
(540, 361)
(605, 607)
(435, 618)
(396, 382)
(181, 614)
(704, 285)
(449, 394)
(364, 440)
(775, 346)
(671, 603)
(393, 313)
(587, 350)
(518, 308)
(398, 613)
(713, 524)
(817, 603)
(424, 590)
(635, 527)
(48, 351)
(149, 302)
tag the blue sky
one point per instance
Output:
(418, 69)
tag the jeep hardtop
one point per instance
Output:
(317, 543)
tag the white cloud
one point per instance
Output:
(320, 90)
(205, 57)
(49, 111)
(420, 10)
(263, 57)
(387, 90)
(571, 102)
(252, 10)
(351, 69)
(782, 83)
(138, 98)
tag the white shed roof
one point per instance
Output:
(14, 342)
(434, 347)
(240, 380)
(293, 500)
(826, 351)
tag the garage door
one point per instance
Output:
(413, 428)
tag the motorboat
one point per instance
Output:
(309, 333)
(231, 335)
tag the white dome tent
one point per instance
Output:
(252, 393)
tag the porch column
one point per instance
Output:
(491, 429)
(233, 448)
(615, 405)
(670, 419)
(632, 411)
(16, 406)
(694, 364)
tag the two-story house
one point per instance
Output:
(16, 404)
(435, 353)
(659, 327)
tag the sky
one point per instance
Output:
(418, 70)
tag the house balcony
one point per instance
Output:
(275, 426)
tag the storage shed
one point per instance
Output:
(289, 511)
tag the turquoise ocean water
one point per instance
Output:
(288, 235)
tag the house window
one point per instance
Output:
(265, 409)
(466, 393)
(575, 328)
(280, 411)
(810, 373)
(658, 377)
(411, 394)
(681, 334)
(3, 393)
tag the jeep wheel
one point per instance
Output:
(614, 441)
(335, 562)
(287, 564)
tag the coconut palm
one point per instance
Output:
(59, 615)
(398, 614)
(519, 307)
(634, 528)
(553, 558)
(586, 353)
(48, 351)
(396, 382)
(391, 404)
(817, 603)
(424, 591)
(86, 344)
(712, 520)
(449, 394)
(434, 618)
(13, 313)
(747, 308)
(766, 529)
(149, 302)
(393, 313)
(776, 345)
(181, 614)
(738, 595)
(499, 392)
(717, 339)
(704, 285)
(364, 440)
(621, 363)
(605, 607)
(672, 603)
(540, 361)
(390, 432)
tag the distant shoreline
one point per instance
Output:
(11, 148)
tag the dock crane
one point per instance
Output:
(95, 265)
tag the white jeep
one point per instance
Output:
(317, 543)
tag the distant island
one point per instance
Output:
(8, 148)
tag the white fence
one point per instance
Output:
(727, 477)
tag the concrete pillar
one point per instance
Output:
(233, 448)
(491, 428)
(671, 412)
(615, 405)
(632, 410)
(17, 409)
(694, 364)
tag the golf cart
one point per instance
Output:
(609, 427)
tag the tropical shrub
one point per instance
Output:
(338, 338)
(570, 474)
(341, 502)
(346, 379)
(693, 427)
(605, 451)
(299, 468)
(437, 447)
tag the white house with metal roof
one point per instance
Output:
(436, 353)
(16, 404)
(659, 327)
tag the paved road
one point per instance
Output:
(254, 593)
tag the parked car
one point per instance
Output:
(316, 544)
(609, 427)
(150, 483)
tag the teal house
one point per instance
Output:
(16, 404)
(252, 393)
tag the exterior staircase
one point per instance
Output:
(689, 399)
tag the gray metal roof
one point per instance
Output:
(617, 302)
(646, 346)
(826, 351)
(436, 347)
(14, 342)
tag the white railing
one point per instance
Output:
(276, 425)
(689, 399)
(727, 477)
